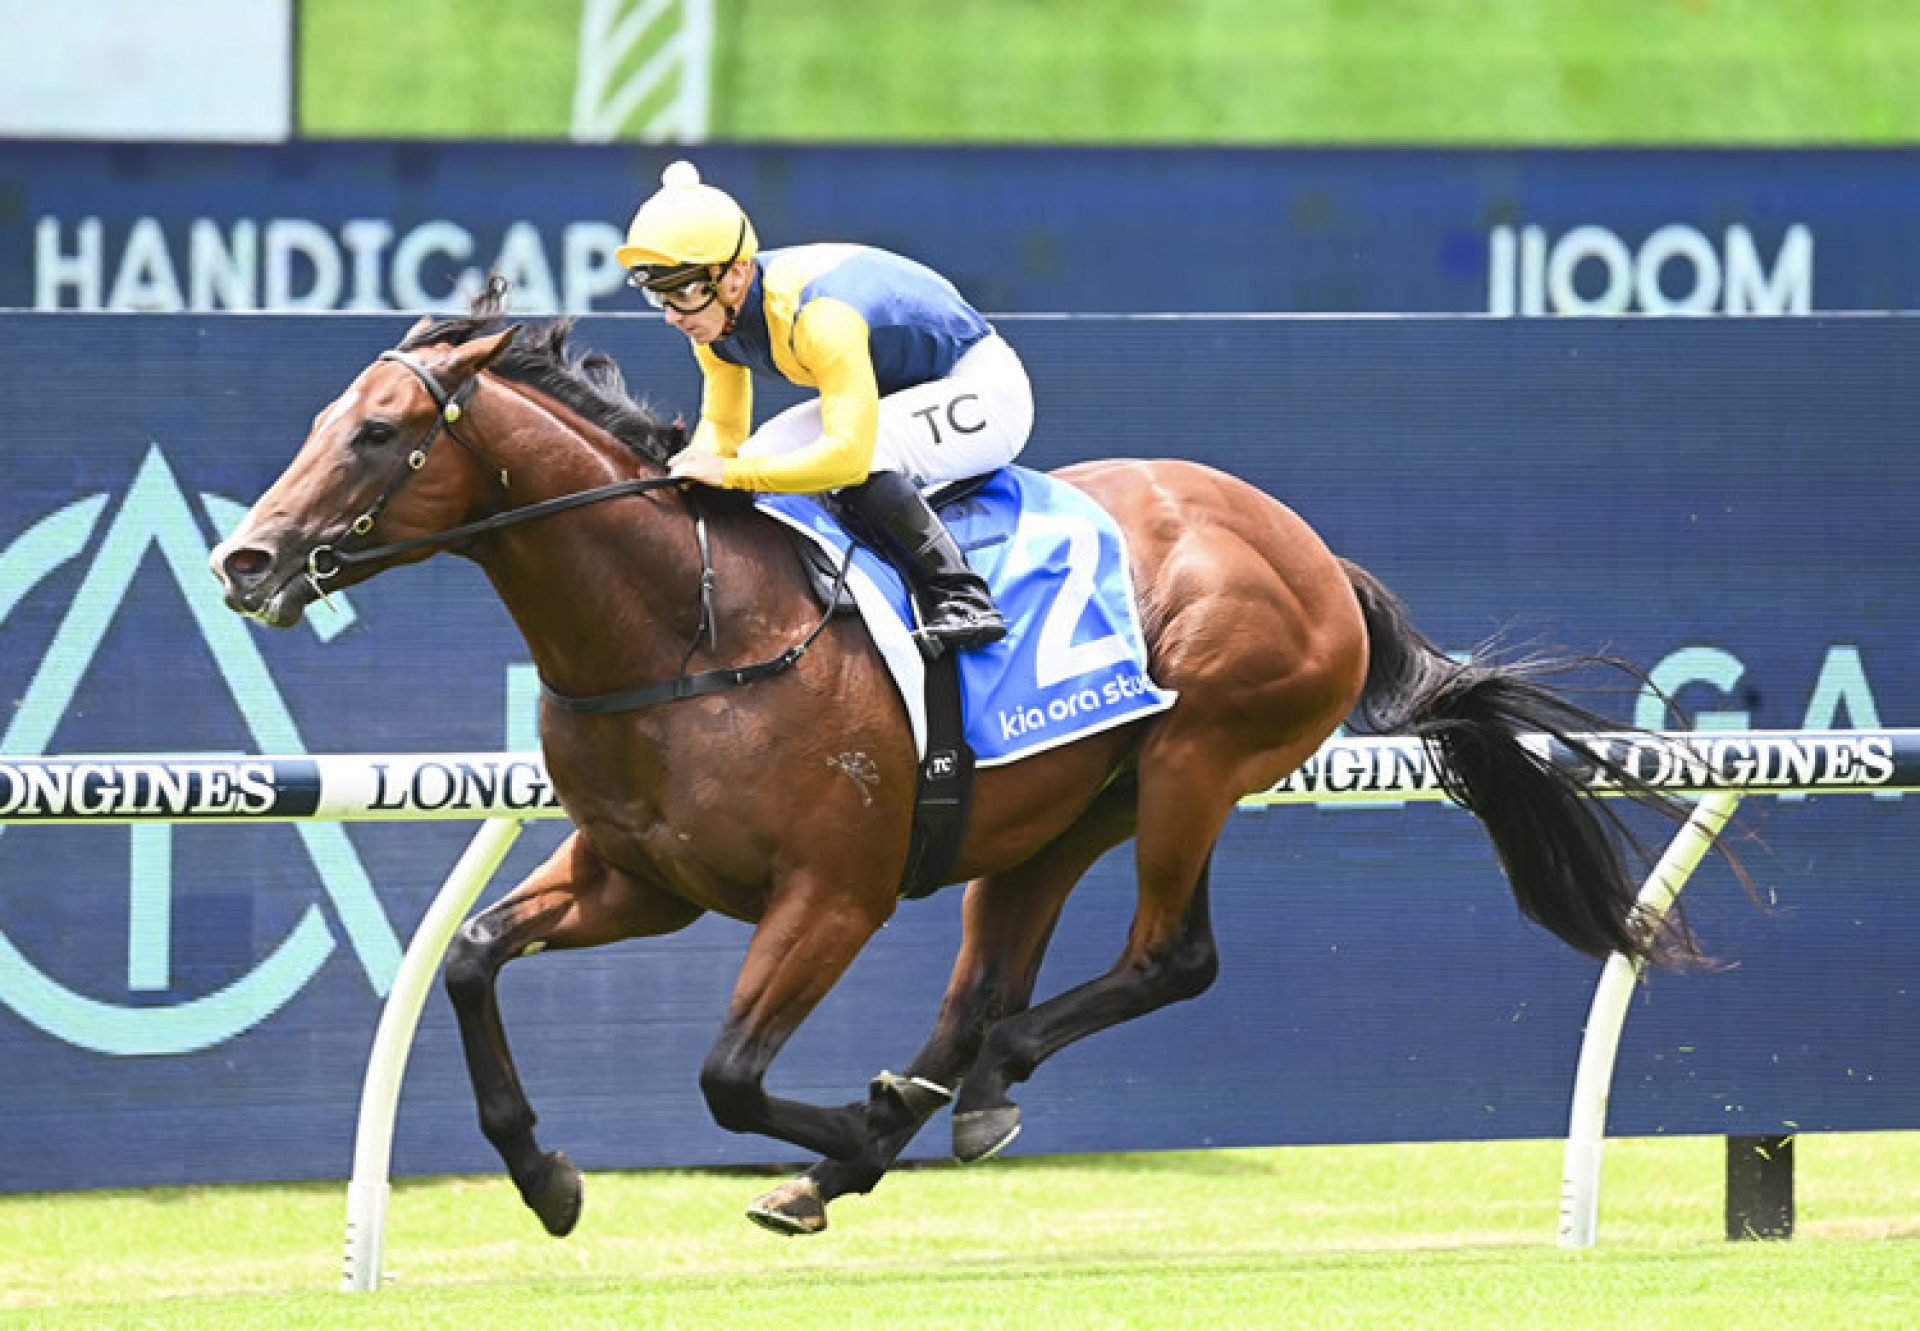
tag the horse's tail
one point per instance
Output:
(1564, 854)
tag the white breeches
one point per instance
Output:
(974, 420)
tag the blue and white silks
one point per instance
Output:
(1071, 664)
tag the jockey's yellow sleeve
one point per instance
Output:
(830, 353)
(726, 405)
(854, 322)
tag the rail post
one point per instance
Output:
(368, 1189)
(1593, 1076)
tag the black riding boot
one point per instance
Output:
(956, 610)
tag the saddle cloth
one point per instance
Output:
(1071, 664)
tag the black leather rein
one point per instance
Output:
(327, 561)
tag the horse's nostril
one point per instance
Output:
(246, 566)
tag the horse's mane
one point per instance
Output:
(587, 381)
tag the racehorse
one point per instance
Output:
(782, 795)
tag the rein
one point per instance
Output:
(326, 561)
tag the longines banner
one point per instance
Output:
(367, 227)
(1734, 505)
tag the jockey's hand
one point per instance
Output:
(696, 464)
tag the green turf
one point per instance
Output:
(1162, 71)
(1458, 1236)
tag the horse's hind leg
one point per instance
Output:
(1007, 921)
(574, 900)
(1169, 954)
(1180, 965)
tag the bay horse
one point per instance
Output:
(783, 797)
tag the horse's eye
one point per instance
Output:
(374, 433)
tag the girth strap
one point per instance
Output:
(945, 795)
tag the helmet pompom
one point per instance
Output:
(686, 222)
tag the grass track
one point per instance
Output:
(1455, 1235)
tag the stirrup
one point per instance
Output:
(960, 634)
(930, 647)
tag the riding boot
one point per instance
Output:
(956, 609)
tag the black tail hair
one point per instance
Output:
(1565, 855)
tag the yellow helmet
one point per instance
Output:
(686, 223)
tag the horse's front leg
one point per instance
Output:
(811, 931)
(574, 900)
(1007, 921)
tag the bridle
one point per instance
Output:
(328, 560)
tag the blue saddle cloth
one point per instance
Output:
(1071, 664)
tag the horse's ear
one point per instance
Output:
(469, 358)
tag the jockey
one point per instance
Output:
(915, 387)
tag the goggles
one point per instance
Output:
(687, 290)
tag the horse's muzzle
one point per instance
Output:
(255, 584)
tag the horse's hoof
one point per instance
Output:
(981, 1134)
(792, 1208)
(556, 1195)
